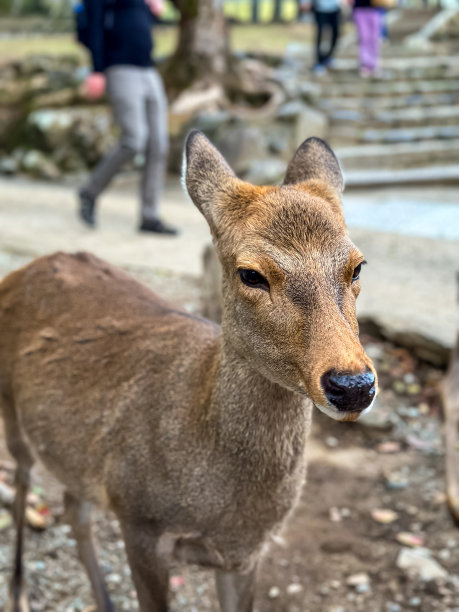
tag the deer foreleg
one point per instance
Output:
(78, 515)
(149, 570)
(235, 591)
(451, 408)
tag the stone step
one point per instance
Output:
(390, 102)
(396, 118)
(399, 155)
(354, 135)
(409, 21)
(352, 74)
(410, 176)
(388, 88)
(430, 67)
(394, 50)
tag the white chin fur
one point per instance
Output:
(368, 408)
(337, 415)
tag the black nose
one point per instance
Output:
(349, 391)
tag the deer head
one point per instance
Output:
(290, 274)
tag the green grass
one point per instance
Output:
(269, 38)
(242, 10)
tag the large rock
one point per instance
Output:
(305, 121)
(418, 562)
(37, 165)
(8, 166)
(191, 101)
(269, 171)
(82, 132)
(240, 145)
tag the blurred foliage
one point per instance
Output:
(239, 10)
(271, 39)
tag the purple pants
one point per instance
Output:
(368, 22)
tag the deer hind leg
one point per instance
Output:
(19, 450)
(78, 514)
(235, 591)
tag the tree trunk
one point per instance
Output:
(277, 11)
(202, 50)
(255, 11)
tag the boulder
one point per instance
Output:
(8, 166)
(419, 562)
(191, 101)
(305, 121)
(38, 165)
(50, 128)
(268, 171)
(83, 131)
(240, 145)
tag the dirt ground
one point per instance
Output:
(338, 555)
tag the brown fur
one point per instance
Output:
(194, 435)
(450, 394)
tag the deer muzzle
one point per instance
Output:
(349, 393)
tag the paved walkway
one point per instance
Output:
(410, 238)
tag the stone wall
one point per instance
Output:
(257, 118)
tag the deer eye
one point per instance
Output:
(254, 279)
(356, 273)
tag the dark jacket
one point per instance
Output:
(363, 4)
(119, 32)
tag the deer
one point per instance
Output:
(450, 401)
(193, 434)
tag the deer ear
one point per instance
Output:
(315, 160)
(205, 172)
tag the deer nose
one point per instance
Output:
(349, 392)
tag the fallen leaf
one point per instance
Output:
(358, 579)
(388, 447)
(410, 539)
(294, 588)
(176, 581)
(335, 515)
(383, 515)
(35, 519)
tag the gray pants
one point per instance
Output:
(139, 104)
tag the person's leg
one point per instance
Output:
(375, 24)
(124, 90)
(319, 17)
(335, 17)
(156, 153)
(362, 18)
(384, 28)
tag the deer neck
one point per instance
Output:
(256, 420)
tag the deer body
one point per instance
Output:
(193, 435)
(191, 448)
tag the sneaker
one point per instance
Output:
(86, 209)
(158, 227)
(319, 70)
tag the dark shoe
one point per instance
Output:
(86, 209)
(158, 227)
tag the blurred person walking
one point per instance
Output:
(118, 34)
(368, 21)
(327, 17)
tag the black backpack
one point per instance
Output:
(82, 21)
